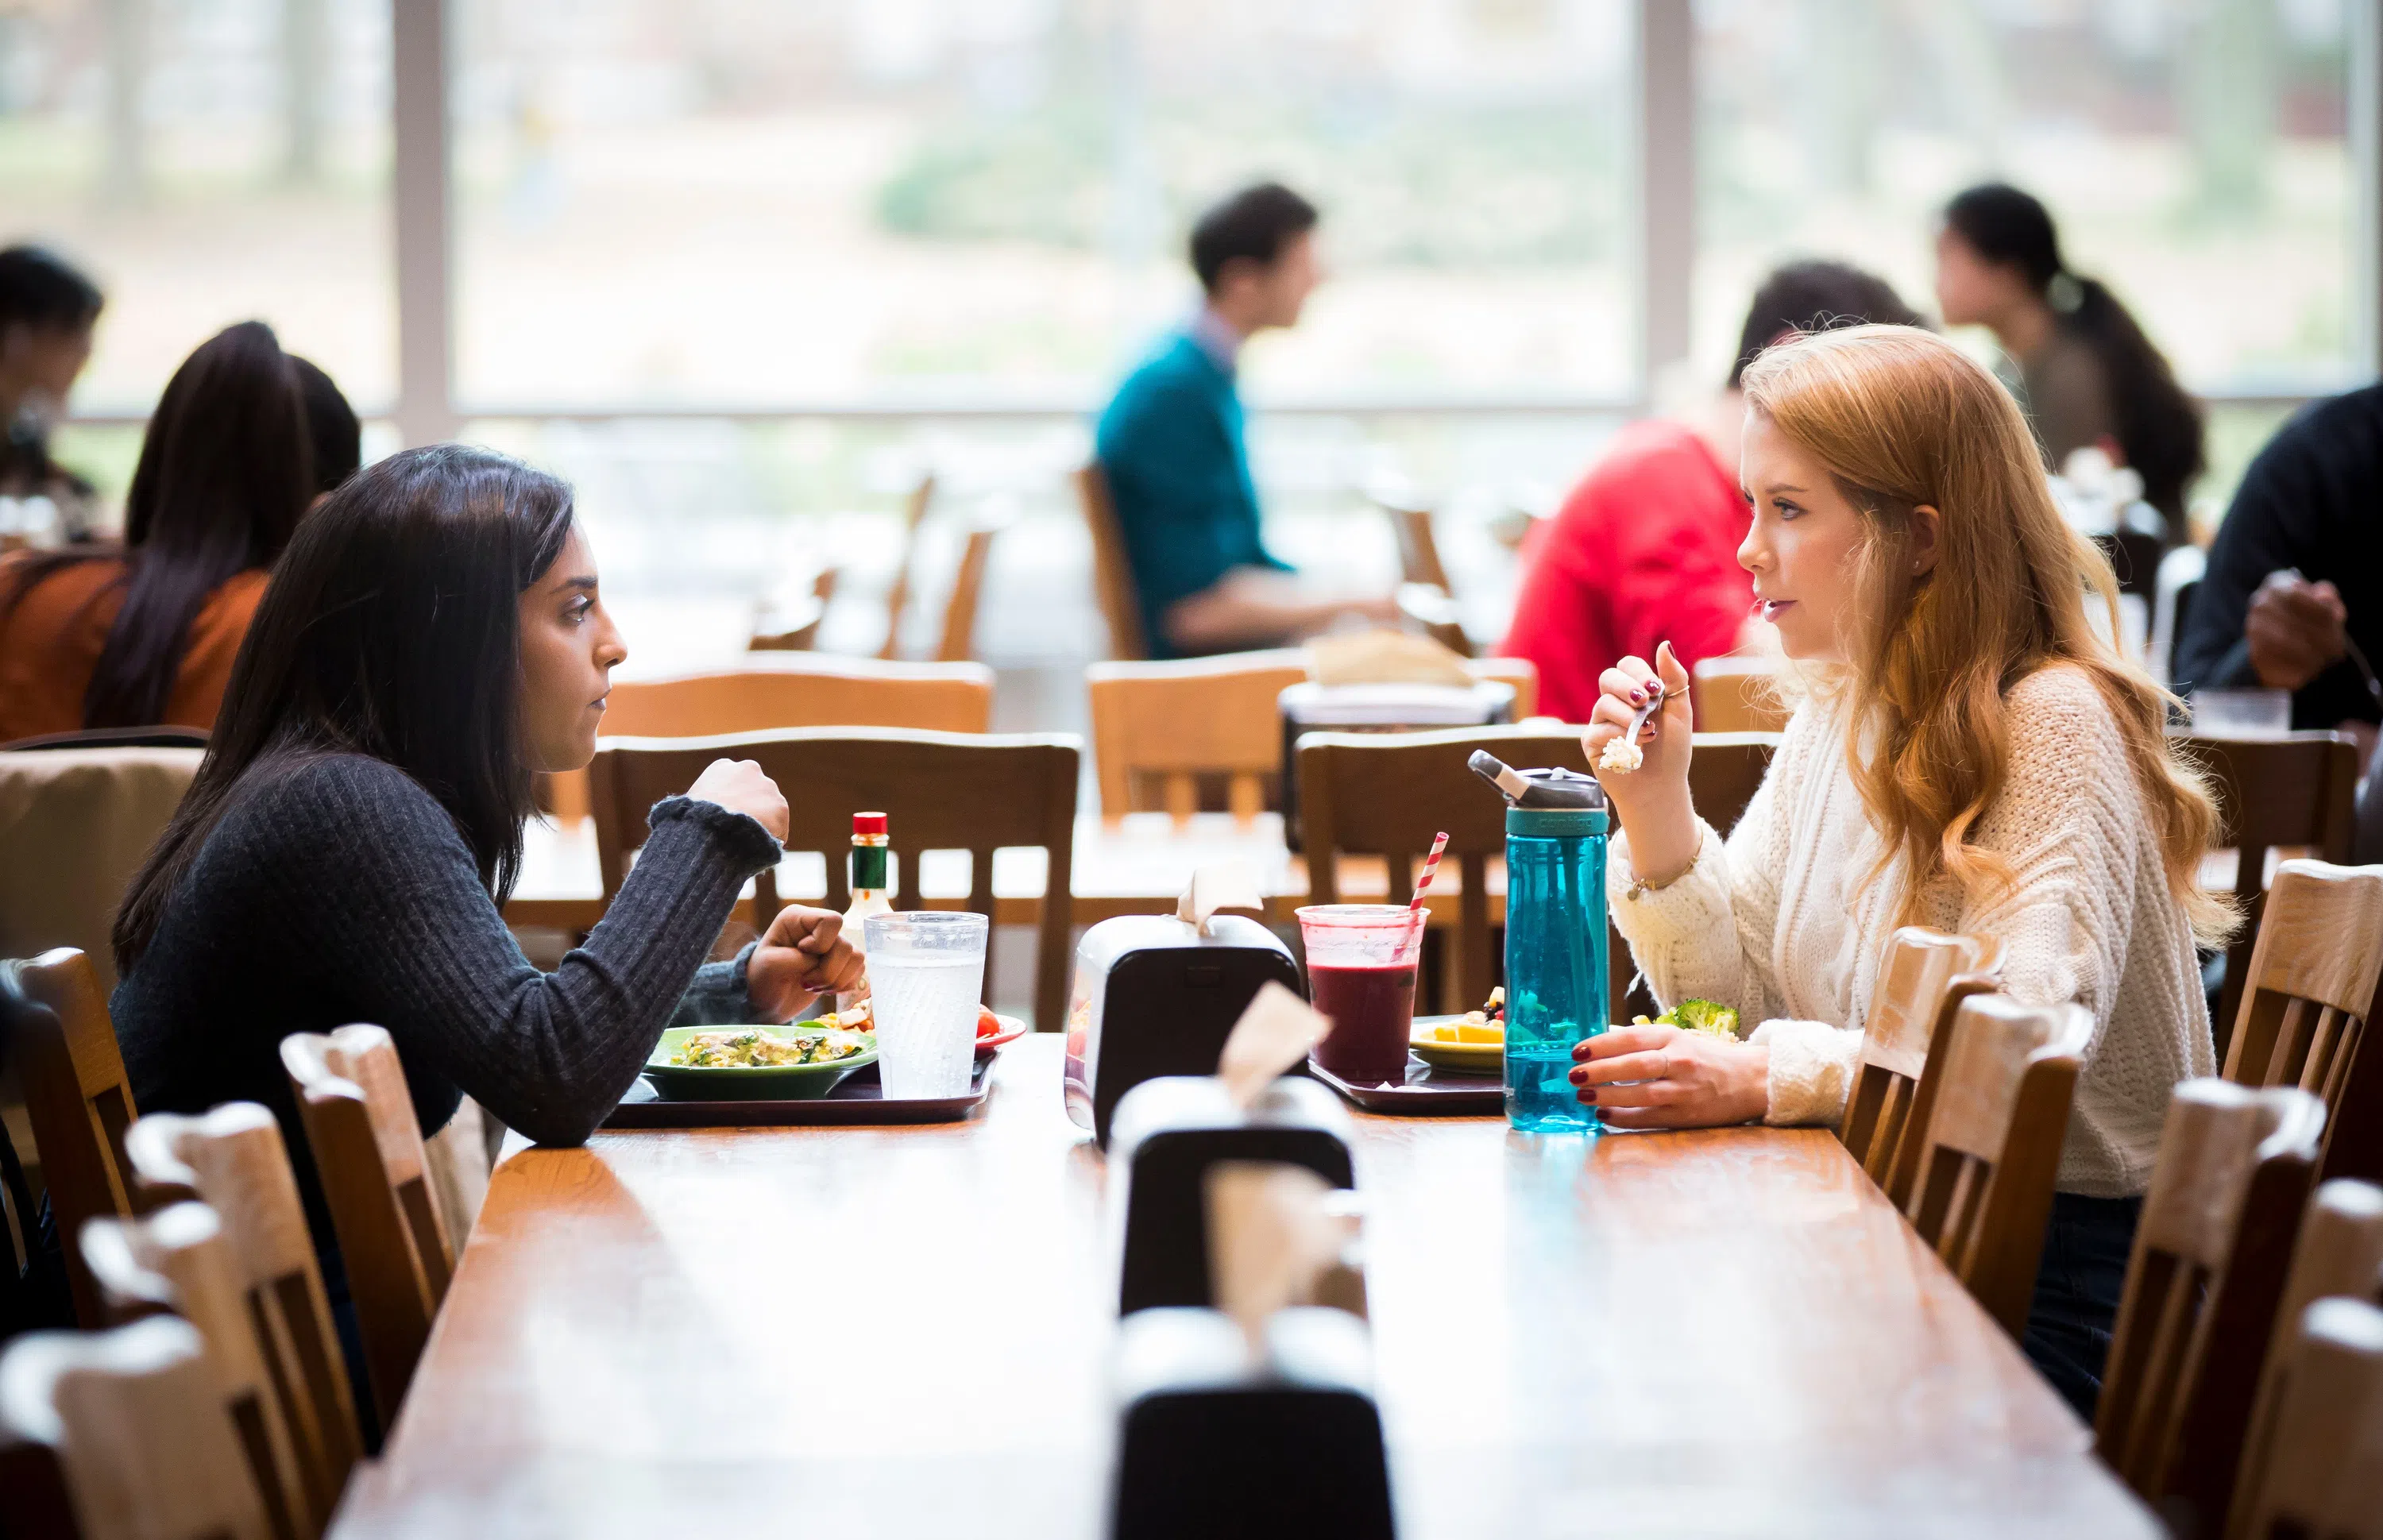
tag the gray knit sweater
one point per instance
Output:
(335, 888)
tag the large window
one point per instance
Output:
(208, 161)
(759, 202)
(2194, 154)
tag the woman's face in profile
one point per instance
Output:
(1801, 545)
(569, 647)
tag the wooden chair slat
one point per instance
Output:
(1112, 570)
(897, 597)
(1914, 977)
(2211, 1252)
(136, 1421)
(958, 641)
(2326, 1474)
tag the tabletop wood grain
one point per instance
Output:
(894, 1332)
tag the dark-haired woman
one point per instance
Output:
(2087, 374)
(144, 633)
(47, 312)
(433, 637)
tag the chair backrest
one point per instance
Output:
(1991, 1148)
(179, 1260)
(958, 643)
(2324, 1478)
(1922, 978)
(1418, 548)
(135, 1422)
(2211, 1251)
(234, 1159)
(2339, 1252)
(79, 1103)
(2289, 789)
(1386, 793)
(76, 823)
(1157, 727)
(1736, 693)
(1724, 772)
(765, 694)
(939, 791)
(1112, 568)
(360, 1125)
(2310, 986)
(897, 595)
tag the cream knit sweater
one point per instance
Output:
(1780, 922)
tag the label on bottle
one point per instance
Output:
(868, 867)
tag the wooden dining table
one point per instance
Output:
(906, 1332)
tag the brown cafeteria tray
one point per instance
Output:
(860, 1100)
(1428, 1092)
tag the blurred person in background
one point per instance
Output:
(2296, 576)
(47, 311)
(332, 430)
(2079, 364)
(143, 633)
(1645, 549)
(1170, 444)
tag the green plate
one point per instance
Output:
(777, 1083)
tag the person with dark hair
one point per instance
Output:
(2082, 366)
(331, 427)
(2293, 596)
(1645, 549)
(1170, 445)
(47, 312)
(143, 633)
(434, 636)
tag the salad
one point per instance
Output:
(1696, 1015)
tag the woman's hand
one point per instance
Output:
(1652, 801)
(806, 955)
(1665, 1078)
(739, 786)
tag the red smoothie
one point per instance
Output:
(1373, 1014)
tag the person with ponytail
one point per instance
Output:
(143, 633)
(1966, 753)
(2086, 373)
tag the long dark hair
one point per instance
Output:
(42, 292)
(2159, 426)
(224, 474)
(392, 628)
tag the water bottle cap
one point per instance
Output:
(1555, 823)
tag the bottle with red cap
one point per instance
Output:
(871, 894)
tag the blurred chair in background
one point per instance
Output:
(1739, 692)
(897, 596)
(1112, 571)
(75, 825)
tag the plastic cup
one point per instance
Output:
(1361, 972)
(926, 973)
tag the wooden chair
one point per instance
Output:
(1990, 1147)
(1724, 772)
(2326, 1477)
(941, 791)
(360, 1125)
(2210, 1255)
(1112, 568)
(1386, 793)
(1738, 694)
(799, 625)
(958, 643)
(2310, 988)
(79, 1103)
(123, 1435)
(897, 596)
(2339, 1251)
(1922, 980)
(234, 1159)
(2289, 789)
(803, 690)
(178, 1260)
(1411, 514)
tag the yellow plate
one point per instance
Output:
(1478, 1058)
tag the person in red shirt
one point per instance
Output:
(1645, 550)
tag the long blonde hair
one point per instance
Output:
(1902, 418)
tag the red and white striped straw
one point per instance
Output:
(1423, 888)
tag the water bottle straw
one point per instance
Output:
(1423, 889)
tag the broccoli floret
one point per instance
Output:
(1702, 1016)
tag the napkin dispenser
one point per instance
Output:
(1214, 1438)
(1153, 996)
(1168, 1132)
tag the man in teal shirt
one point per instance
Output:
(1170, 444)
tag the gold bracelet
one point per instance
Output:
(1640, 885)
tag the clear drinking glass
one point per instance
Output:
(926, 971)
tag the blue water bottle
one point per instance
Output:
(1555, 940)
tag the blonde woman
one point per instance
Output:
(1969, 756)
